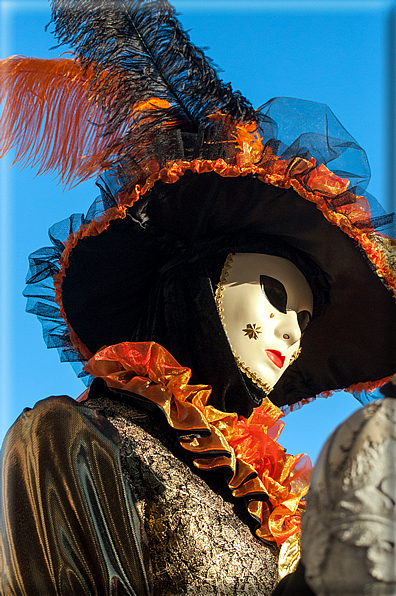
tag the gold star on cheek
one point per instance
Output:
(252, 331)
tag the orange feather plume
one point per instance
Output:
(51, 119)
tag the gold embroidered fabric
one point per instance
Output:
(198, 544)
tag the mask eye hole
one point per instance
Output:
(303, 318)
(275, 292)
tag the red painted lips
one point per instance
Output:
(276, 357)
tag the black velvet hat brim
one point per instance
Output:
(113, 277)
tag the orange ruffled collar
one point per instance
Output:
(271, 481)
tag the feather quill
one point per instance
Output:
(137, 91)
(143, 48)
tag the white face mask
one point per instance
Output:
(265, 303)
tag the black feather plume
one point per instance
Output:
(143, 47)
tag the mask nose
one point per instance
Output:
(288, 328)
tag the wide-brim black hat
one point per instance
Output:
(148, 265)
(192, 172)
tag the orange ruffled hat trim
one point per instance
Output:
(272, 482)
(317, 184)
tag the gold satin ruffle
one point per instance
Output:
(272, 482)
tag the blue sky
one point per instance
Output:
(334, 52)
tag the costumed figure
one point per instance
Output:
(213, 257)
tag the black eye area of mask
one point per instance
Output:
(276, 294)
(303, 318)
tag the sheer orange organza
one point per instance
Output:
(248, 448)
